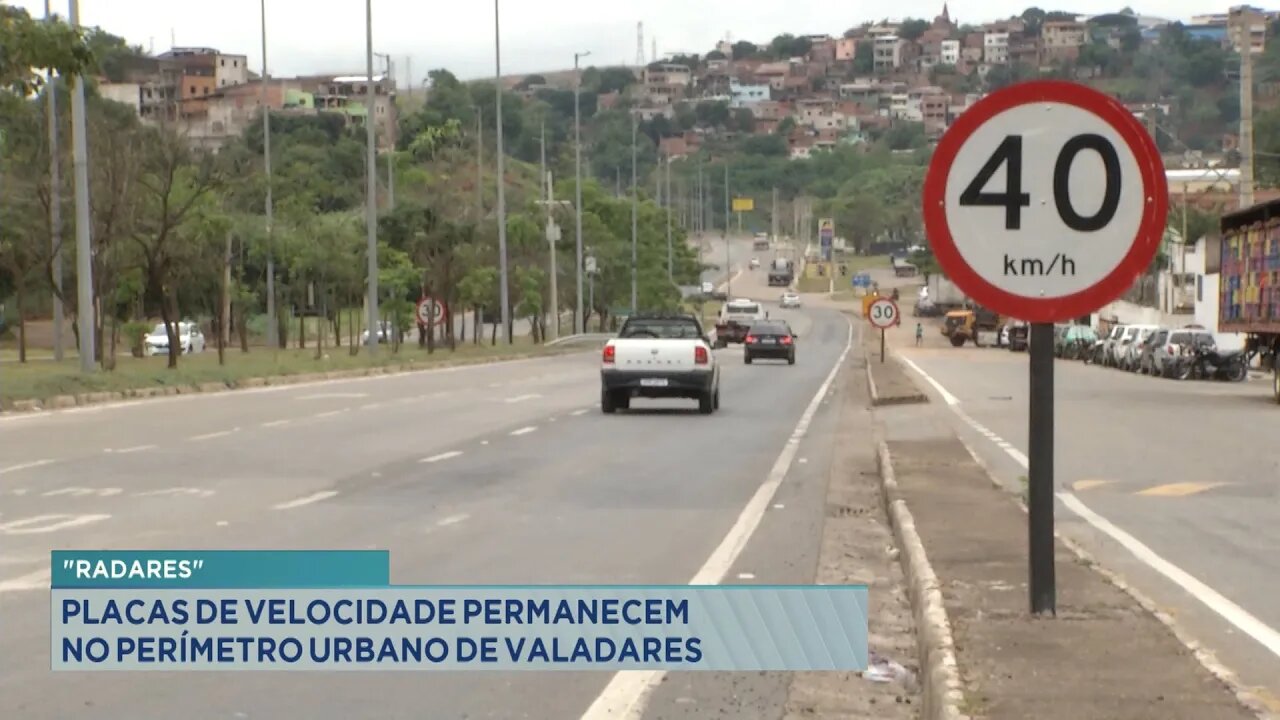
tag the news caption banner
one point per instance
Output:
(337, 610)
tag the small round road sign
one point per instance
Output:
(430, 311)
(1045, 200)
(883, 313)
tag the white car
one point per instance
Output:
(659, 356)
(189, 338)
(789, 300)
(755, 263)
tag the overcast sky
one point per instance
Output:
(310, 36)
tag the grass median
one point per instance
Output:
(43, 379)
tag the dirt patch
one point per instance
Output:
(1102, 657)
(858, 548)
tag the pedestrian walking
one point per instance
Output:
(919, 334)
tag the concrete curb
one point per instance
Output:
(60, 402)
(871, 380)
(877, 400)
(1243, 694)
(943, 693)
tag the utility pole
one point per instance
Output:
(635, 209)
(503, 290)
(479, 163)
(1245, 35)
(86, 313)
(670, 208)
(553, 235)
(617, 182)
(371, 187)
(773, 217)
(390, 77)
(578, 320)
(55, 210)
(272, 329)
(728, 260)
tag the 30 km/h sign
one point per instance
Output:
(1045, 200)
(430, 311)
(883, 313)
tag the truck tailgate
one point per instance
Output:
(655, 355)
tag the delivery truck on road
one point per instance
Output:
(1249, 283)
(781, 272)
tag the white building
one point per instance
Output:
(950, 54)
(995, 48)
(745, 95)
(887, 52)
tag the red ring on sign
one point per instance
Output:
(871, 315)
(1150, 229)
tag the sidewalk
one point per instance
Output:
(1102, 658)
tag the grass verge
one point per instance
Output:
(814, 284)
(44, 379)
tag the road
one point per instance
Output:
(504, 473)
(1187, 472)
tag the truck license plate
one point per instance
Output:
(653, 382)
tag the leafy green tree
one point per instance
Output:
(912, 29)
(28, 45)
(864, 59)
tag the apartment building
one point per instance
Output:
(746, 95)
(667, 74)
(1247, 27)
(1027, 50)
(887, 53)
(846, 49)
(348, 94)
(1062, 39)
(995, 48)
(949, 52)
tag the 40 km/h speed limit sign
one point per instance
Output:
(1045, 200)
(883, 313)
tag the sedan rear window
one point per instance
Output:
(770, 329)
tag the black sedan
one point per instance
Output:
(772, 339)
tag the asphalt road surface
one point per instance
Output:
(504, 473)
(1189, 471)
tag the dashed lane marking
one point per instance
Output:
(308, 500)
(329, 413)
(453, 520)
(1082, 485)
(524, 430)
(212, 435)
(84, 491)
(134, 449)
(24, 466)
(1180, 489)
(522, 398)
(583, 411)
(48, 523)
(276, 423)
(188, 491)
(38, 580)
(441, 456)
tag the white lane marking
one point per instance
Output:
(1240, 618)
(313, 498)
(525, 430)
(453, 520)
(521, 398)
(83, 491)
(38, 580)
(371, 406)
(190, 491)
(222, 523)
(804, 460)
(484, 442)
(441, 456)
(947, 396)
(134, 449)
(1264, 634)
(778, 506)
(329, 396)
(212, 435)
(330, 413)
(626, 695)
(24, 466)
(583, 411)
(276, 423)
(746, 576)
(494, 385)
(48, 523)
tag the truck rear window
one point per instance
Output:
(673, 329)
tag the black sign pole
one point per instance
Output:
(1040, 471)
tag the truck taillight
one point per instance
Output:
(700, 355)
(609, 352)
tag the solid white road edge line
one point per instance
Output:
(1265, 635)
(314, 498)
(626, 695)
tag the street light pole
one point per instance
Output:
(635, 199)
(371, 186)
(55, 211)
(670, 208)
(503, 290)
(85, 313)
(579, 320)
(272, 329)
(728, 261)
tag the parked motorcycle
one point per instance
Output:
(1095, 354)
(1205, 362)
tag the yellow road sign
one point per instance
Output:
(744, 204)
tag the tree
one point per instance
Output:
(744, 120)
(27, 45)
(744, 49)
(912, 28)
(864, 58)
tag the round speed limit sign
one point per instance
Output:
(1045, 201)
(430, 311)
(883, 313)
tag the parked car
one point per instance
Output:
(1110, 345)
(1136, 336)
(385, 333)
(190, 339)
(1075, 340)
(1147, 360)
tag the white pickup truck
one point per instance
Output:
(659, 356)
